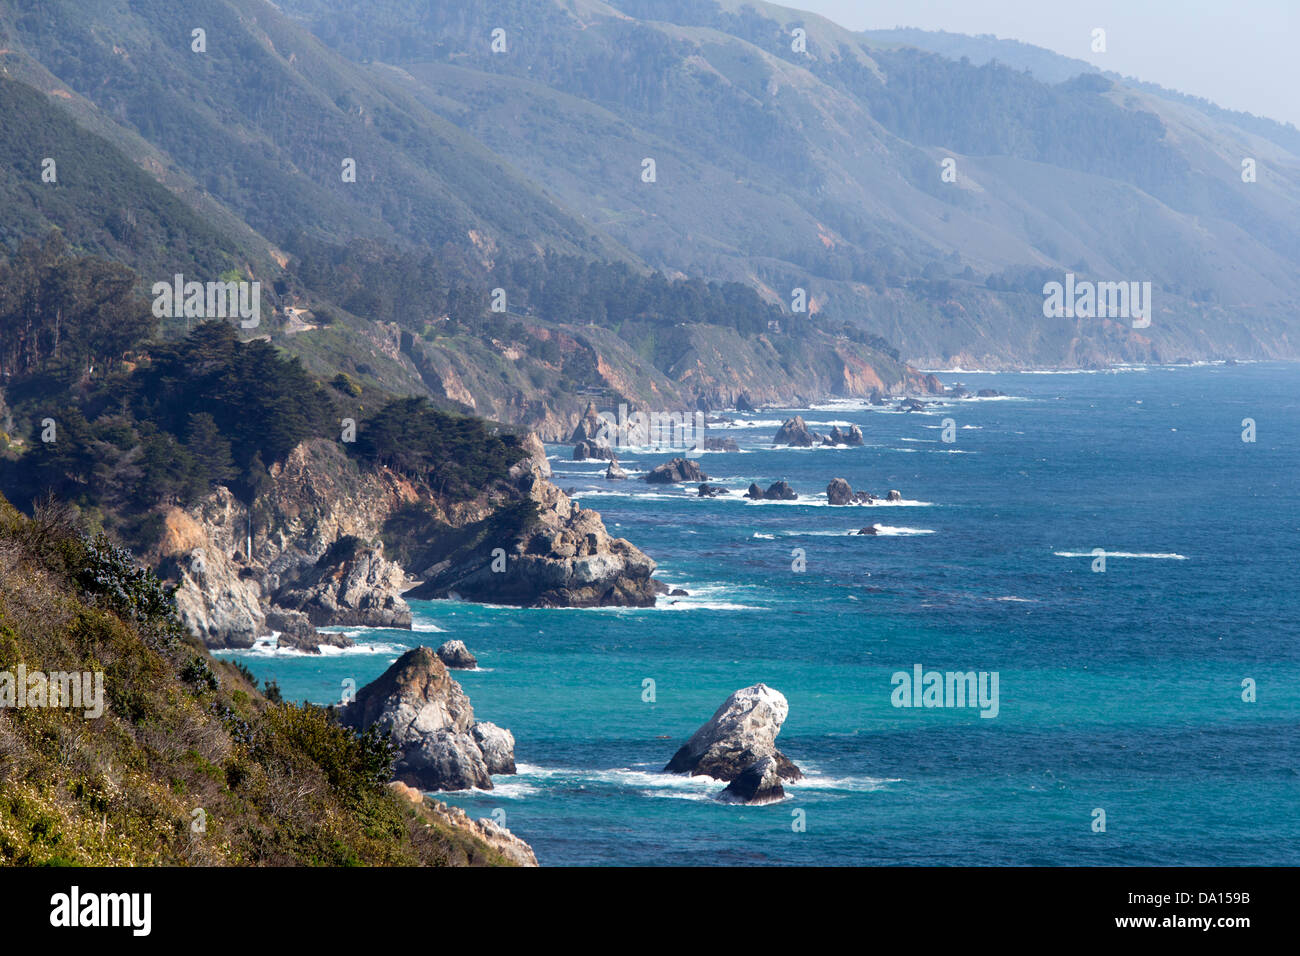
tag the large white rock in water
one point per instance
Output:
(741, 733)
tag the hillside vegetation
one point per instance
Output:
(190, 763)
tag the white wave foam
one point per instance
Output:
(1167, 555)
(270, 647)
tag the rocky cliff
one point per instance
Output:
(333, 542)
(713, 367)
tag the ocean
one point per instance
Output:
(1120, 691)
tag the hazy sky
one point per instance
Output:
(1241, 54)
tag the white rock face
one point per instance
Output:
(497, 745)
(456, 655)
(218, 606)
(739, 734)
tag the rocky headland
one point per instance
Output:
(330, 541)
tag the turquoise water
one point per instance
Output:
(1119, 690)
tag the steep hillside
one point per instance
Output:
(176, 758)
(822, 170)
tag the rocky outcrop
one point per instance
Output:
(542, 550)
(588, 450)
(296, 630)
(351, 584)
(312, 565)
(870, 529)
(497, 746)
(795, 432)
(590, 427)
(712, 491)
(894, 495)
(614, 472)
(720, 444)
(839, 492)
(457, 656)
(850, 436)
(739, 735)
(777, 491)
(677, 471)
(780, 491)
(758, 783)
(217, 602)
(431, 723)
(489, 831)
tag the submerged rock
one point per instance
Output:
(870, 529)
(457, 656)
(720, 444)
(894, 495)
(430, 721)
(712, 491)
(740, 733)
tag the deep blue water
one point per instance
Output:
(1119, 690)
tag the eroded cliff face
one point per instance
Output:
(713, 368)
(314, 549)
(543, 550)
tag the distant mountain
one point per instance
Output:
(822, 170)
(808, 172)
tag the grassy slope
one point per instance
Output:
(279, 784)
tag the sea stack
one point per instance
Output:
(738, 738)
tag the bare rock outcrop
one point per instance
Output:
(675, 472)
(296, 630)
(542, 551)
(429, 719)
(849, 436)
(758, 783)
(457, 656)
(741, 733)
(352, 583)
(839, 492)
(796, 433)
